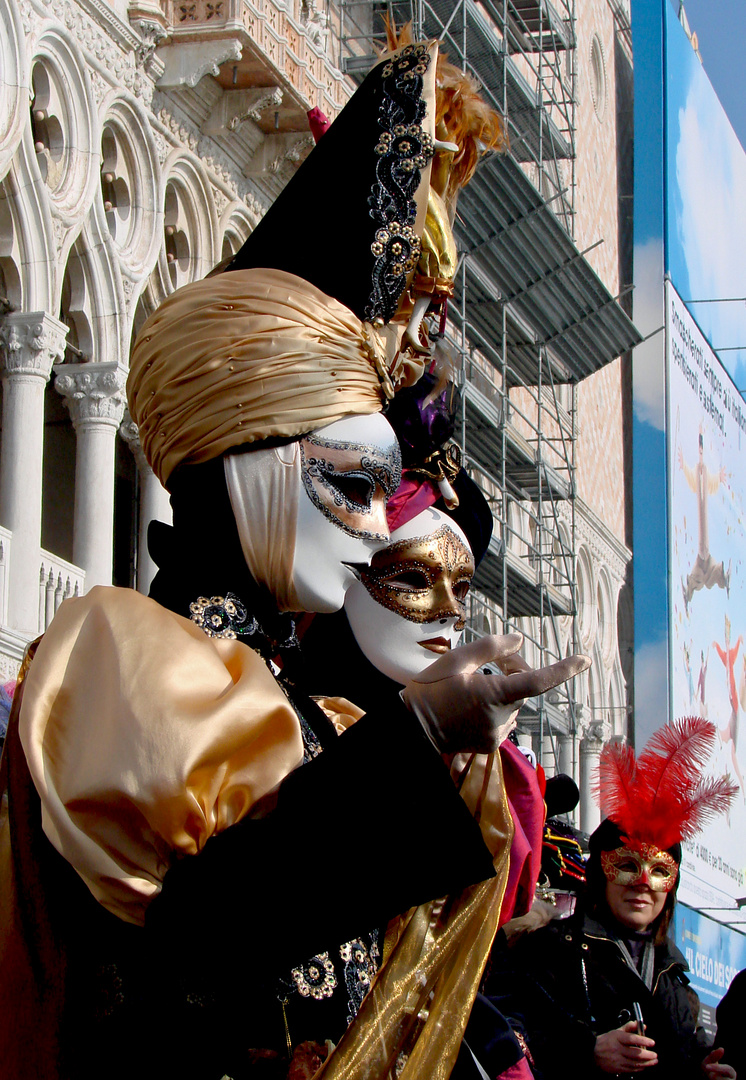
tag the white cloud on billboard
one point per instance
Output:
(647, 358)
(710, 218)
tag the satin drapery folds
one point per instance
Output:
(252, 355)
(148, 752)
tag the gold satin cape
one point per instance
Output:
(174, 737)
(167, 739)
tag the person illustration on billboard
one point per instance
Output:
(730, 732)
(706, 572)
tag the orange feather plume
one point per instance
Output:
(469, 122)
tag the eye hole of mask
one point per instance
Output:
(409, 581)
(660, 870)
(356, 488)
(461, 589)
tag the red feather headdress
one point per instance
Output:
(661, 798)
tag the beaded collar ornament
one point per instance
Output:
(227, 617)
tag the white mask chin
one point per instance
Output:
(399, 647)
(348, 469)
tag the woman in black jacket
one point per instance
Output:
(581, 992)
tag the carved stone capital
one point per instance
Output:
(152, 32)
(236, 106)
(594, 732)
(30, 343)
(94, 393)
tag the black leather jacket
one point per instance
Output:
(562, 986)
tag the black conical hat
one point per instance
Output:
(351, 218)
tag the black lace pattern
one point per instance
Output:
(403, 150)
(228, 617)
(223, 616)
(361, 961)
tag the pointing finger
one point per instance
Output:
(528, 683)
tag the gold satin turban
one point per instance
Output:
(254, 354)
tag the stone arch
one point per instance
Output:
(32, 248)
(587, 610)
(236, 223)
(13, 82)
(132, 193)
(91, 299)
(618, 701)
(190, 244)
(64, 125)
(10, 261)
(606, 605)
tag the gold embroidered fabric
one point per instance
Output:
(148, 751)
(254, 354)
(412, 1022)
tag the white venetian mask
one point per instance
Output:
(311, 512)
(408, 607)
(348, 470)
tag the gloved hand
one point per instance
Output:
(462, 709)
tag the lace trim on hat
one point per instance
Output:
(403, 150)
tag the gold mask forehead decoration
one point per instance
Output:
(645, 864)
(422, 578)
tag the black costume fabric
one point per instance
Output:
(563, 985)
(200, 987)
(730, 1020)
(359, 182)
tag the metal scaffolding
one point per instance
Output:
(530, 318)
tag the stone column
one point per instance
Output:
(566, 756)
(567, 765)
(30, 342)
(154, 503)
(548, 758)
(595, 732)
(95, 397)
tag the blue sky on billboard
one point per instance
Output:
(721, 30)
(706, 186)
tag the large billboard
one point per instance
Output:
(706, 428)
(714, 956)
(689, 428)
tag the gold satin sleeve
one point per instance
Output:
(144, 738)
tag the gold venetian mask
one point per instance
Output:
(423, 578)
(646, 865)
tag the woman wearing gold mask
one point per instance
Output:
(604, 993)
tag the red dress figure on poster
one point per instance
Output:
(730, 732)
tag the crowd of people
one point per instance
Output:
(269, 821)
